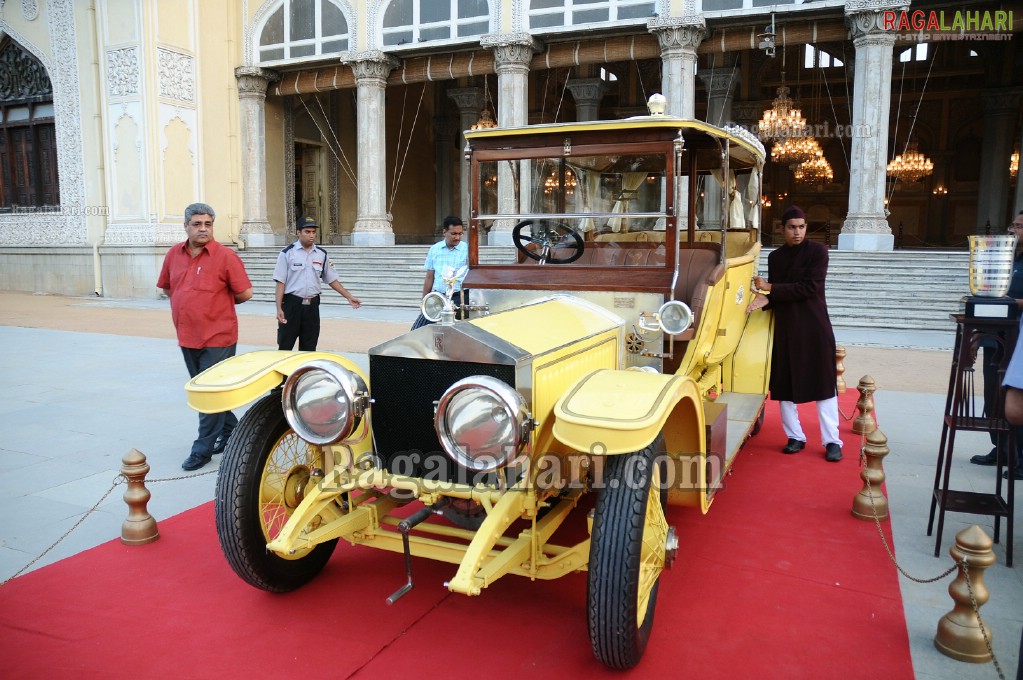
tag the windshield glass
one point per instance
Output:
(600, 210)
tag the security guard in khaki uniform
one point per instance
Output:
(300, 269)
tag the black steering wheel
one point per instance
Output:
(546, 238)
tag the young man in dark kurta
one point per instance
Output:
(803, 358)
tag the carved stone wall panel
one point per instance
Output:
(123, 72)
(175, 75)
(21, 76)
(127, 172)
(179, 167)
(68, 226)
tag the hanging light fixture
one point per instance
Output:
(783, 120)
(1014, 164)
(486, 120)
(911, 166)
(551, 184)
(814, 171)
(795, 150)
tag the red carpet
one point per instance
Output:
(777, 581)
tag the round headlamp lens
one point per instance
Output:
(320, 402)
(481, 423)
(675, 317)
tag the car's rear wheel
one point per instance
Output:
(627, 554)
(263, 477)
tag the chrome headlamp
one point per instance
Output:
(674, 317)
(433, 305)
(482, 423)
(324, 402)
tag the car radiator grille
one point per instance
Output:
(404, 391)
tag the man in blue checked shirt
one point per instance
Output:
(451, 252)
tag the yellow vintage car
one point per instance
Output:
(606, 369)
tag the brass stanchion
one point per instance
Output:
(840, 354)
(140, 527)
(961, 634)
(870, 502)
(864, 423)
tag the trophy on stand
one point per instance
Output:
(990, 275)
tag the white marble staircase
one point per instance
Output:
(869, 294)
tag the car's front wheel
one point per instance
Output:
(263, 477)
(627, 554)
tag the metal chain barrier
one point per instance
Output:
(950, 570)
(119, 479)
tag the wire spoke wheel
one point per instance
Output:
(263, 478)
(627, 556)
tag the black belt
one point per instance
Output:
(305, 300)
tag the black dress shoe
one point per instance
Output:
(990, 458)
(219, 446)
(833, 453)
(194, 462)
(794, 446)
(1019, 473)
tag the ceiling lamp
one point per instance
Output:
(795, 150)
(552, 183)
(814, 171)
(486, 120)
(1014, 164)
(911, 166)
(782, 120)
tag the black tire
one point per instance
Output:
(624, 569)
(250, 511)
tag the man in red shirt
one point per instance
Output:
(204, 281)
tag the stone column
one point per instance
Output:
(720, 84)
(470, 102)
(587, 93)
(679, 37)
(1001, 111)
(445, 134)
(252, 84)
(372, 222)
(866, 224)
(512, 54)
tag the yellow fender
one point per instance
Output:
(610, 412)
(239, 380)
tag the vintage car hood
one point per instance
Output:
(508, 337)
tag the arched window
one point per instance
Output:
(555, 13)
(407, 22)
(28, 140)
(303, 28)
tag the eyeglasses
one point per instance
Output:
(1015, 227)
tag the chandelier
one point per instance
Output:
(782, 120)
(1014, 164)
(486, 120)
(911, 166)
(814, 171)
(795, 150)
(551, 183)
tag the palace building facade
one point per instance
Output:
(116, 114)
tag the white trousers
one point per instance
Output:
(827, 414)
